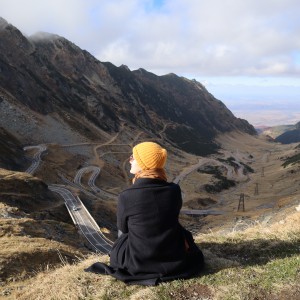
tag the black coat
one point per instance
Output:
(152, 247)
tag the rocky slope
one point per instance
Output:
(55, 84)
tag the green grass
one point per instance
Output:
(256, 264)
(292, 160)
(237, 269)
(221, 182)
(232, 162)
(247, 169)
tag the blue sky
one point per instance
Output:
(246, 53)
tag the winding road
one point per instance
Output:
(201, 212)
(36, 160)
(81, 217)
(95, 172)
(84, 221)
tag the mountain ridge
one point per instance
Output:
(53, 75)
(284, 134)
(290, 136)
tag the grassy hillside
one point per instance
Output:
(258, 263)
(250, 255)
(33, 229)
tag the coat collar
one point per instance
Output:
(148, 183)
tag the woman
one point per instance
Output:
(153, 247)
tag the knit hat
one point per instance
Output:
(150, 155)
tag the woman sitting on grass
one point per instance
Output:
(152, 246)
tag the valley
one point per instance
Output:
(68, 123)
(266, 189)
(271, 191)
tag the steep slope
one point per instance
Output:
(55, 79)
(11, 152)
(275, 131)
(186, 102)
(290, 136)
(32, 238)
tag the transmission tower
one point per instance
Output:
(256, 189)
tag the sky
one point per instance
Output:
(245, 52)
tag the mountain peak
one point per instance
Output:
(41, 35)
(3, 23)
(125, 67)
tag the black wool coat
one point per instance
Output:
(152, 247)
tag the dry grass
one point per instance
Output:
(72, 282)
(250, 255)
(260, 262)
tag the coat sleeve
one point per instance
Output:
(179, 198)
(121, 215)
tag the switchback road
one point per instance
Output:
(95, 172)
(83, 220)
(90, 169)
(201, 212)
(36, 158)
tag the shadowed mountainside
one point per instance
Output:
(285, 134)
(290, 136)
(11, 152)
(49, 75)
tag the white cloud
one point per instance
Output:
(246, 44)
(233, 37)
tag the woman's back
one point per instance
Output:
(148, 214)
(153, 247)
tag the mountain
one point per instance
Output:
(290, 136)
(49, 85)
(285, 134)
(274, 131)
(90, 113)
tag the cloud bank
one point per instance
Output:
(212, 38)
(248, 43)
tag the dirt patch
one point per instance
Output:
(290, 292)
(193, 292)
(287, 293)
(59, 160)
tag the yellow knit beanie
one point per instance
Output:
(150, 155)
